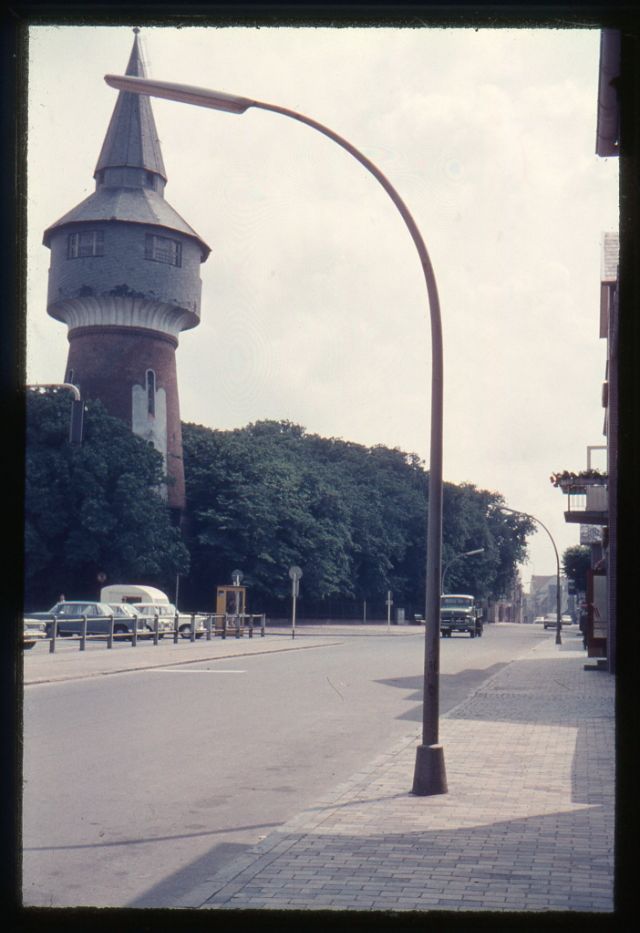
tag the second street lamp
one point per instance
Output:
(479, 550)
(429, 776)
(503, 508)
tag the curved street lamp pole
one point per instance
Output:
(479, 550)
(503, 508)
(429, 776)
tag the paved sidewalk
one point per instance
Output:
(69, 663)
(526, 825)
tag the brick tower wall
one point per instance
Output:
(108, 362)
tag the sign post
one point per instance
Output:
(295, 573)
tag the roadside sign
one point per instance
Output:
(295, 573)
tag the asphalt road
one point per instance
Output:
(139, 786)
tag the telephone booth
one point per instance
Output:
(231, 600)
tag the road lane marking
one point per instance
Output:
(196, 670)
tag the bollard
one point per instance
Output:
(250, 626)
(83, 634)
(54, 634)
(110, 635)
(156, 625)
(237, 626)
(176, 623)
(224, 625)
(207, 626)
(193, 626)
(134, 634)
(264, 620)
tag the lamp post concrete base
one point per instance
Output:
(429, 777)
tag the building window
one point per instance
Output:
(149, 180)
(163, 249)
(86, 243)
(151, 392)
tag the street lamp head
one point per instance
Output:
(479, 550)
(200, 96)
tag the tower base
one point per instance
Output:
(429, 776)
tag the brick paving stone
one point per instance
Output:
(534, 833)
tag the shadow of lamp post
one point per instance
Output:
(429, 776)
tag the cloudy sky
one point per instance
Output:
(314, 307)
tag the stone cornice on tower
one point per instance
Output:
(131, 313)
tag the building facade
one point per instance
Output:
(125, 279)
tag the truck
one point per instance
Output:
(460, 613)
(150, 602)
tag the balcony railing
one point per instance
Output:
(587, 496)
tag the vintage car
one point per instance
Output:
(33, 630)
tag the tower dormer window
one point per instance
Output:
(163, 249)
(85, 243)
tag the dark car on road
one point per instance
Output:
(68, 618)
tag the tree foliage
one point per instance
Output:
(260, 499)
(576, 561)
(269, 495)
(92, 508)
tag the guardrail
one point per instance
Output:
(206, 625)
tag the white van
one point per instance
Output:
(133, 593)
(149, 602)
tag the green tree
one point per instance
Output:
(576, 561)
(269, 495)
(255, 503)
(93, 508)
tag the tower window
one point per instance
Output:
(163, 249)
(85, 243)
(151, 392)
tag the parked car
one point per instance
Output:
(551, 620)
(166, 613)
(125, 617)
(33, 631)
(69, 614)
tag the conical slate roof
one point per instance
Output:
(131, 142)
(129, 205)
(132, 138)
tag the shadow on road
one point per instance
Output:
(453, 688)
